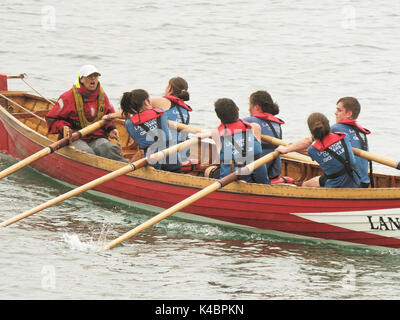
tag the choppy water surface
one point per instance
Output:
(307, 54)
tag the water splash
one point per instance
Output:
(94, 244)
(76, 244)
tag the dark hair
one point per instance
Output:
(264, 100)
(179, 88)
(318, 125)
(132, 101)
(351, 104)
(226, 110)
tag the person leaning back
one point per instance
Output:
(85, 103)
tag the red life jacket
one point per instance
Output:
(179, 101)
(229, 129)
(328, 140)
(65, 113)
(268, 117)
(146, 115)
(355, 124)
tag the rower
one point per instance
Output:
(332, 151)
(238, 142)
(263, 110)
(147, 126)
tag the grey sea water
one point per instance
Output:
(307, 54)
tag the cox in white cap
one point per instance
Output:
(88, 76)
(88, 70)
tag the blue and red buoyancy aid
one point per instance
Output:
(339, 170)
(179, 110)
(240, 147)
(268, 117)
(270, 126)
(357, 130)
(358, 138)
(147, 127)
(328, 140)
(354, 123)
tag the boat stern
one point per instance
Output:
(3, 82)
(3, 139)
(3, 131)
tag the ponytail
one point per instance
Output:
(318, 125)
(132, 101)
(264, 100)
(179, 88)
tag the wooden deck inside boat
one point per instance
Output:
(298, 170)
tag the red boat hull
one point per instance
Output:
(362, 221)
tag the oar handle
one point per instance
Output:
(20, 76)
(183, 127)
(274, 141)
(91, 128)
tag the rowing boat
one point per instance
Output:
(360, 217)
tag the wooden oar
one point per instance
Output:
(374, 157)
(197, 196)
(358, 152)
(51, 148)
(277, 142)
(112, 175)
(189, 128)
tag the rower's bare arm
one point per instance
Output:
(114, 115)
(298, 146)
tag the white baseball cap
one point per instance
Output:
(87, 70)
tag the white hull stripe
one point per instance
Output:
(383, 222)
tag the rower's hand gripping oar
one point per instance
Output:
(112, 175)
(52, 148)
(197, 196)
